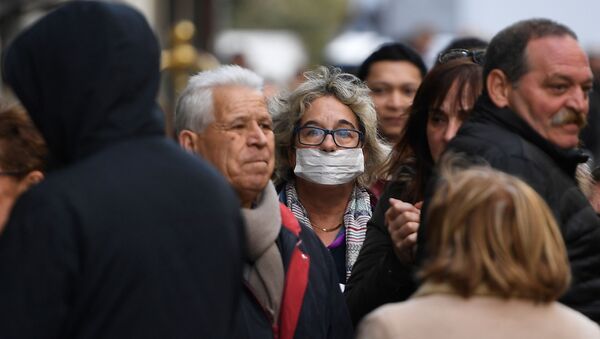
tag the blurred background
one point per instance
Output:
(280, 38)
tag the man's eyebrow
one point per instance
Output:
(562, 77)
(233, 118)
(558, 76)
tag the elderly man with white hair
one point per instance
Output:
(290, 283)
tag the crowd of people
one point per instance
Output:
(399, 202)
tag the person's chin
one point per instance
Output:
(257, 166)
(568, 137)
(257, 184)
(390, 131)
(393, 122)
(258, 175)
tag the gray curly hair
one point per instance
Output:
(288, 109)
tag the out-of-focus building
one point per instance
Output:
(277, 55)
(185, 28)
(195, 35)
(428, 25)
(198, 34)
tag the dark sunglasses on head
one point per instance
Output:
(476, 55)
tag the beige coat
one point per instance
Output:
(449, 316)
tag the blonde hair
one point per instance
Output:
(487, 229)
(287, 110)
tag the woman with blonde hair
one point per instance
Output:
(496, 266)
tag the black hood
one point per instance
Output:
(88, 74)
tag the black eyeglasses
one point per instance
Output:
(476, 55)
(343, 137)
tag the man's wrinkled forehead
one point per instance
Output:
(552, 52)
(231, 102)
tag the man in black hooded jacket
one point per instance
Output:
(129, 236)
(527, 123)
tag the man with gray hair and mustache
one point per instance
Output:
(527, 123)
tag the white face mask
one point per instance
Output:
(329, 168)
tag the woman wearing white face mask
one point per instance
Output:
(327, 153)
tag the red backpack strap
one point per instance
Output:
(296, 280)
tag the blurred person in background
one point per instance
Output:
(328, 152)
(22, 157)
(590, 134)
(497, 265)
(290, 284)
(393, 73)
(127, 234)
(384, 269)
(526, 123)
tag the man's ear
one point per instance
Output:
(498, 87)
(32, 178)
(188, 140)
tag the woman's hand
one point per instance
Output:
(402, 221)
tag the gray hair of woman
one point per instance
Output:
(288, 109)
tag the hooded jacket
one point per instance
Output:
(506, 142)
(127, 235)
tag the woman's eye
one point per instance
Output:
(343, 133)
(438, 118)
(313, 132)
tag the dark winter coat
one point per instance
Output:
(128, 236)
(508, 143)
(312, 305)
(378, 277)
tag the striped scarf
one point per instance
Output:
(357, 214)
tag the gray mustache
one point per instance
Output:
(568, 116)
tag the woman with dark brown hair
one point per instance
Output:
(22, 157)
(383, 272)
